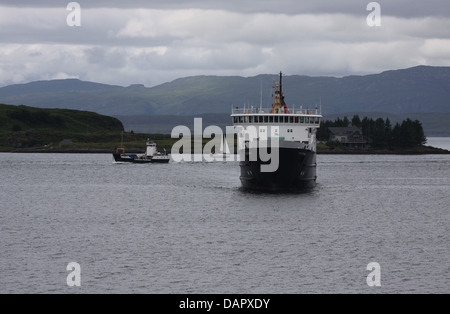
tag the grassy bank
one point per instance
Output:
(26, 128)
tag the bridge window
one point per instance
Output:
(276, 119)
(271, 119)
(302, 119)
(266, 119)
(246, 119)
(307, 120)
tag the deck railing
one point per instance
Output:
(293, 111)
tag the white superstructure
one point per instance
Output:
(151, 149)
(290, 125)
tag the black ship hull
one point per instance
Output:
(296, 171)
(160, 160)
(139, 160)
(124, 158)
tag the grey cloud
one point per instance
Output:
(402, 8)
(106, 58)
(236, 38)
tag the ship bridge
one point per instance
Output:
(267, 116)
(298, 125)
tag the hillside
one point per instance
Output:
(419, 89)
(26, 127)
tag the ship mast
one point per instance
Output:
(281, 87)
(283, 103)
(279, 105)
(261, 100)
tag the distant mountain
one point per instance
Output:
(418, 89)
(55, 86)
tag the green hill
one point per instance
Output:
(24, 127)
(418, 89)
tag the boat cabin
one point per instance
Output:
(151, 148)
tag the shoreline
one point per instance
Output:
(429, 151)
(422, 151)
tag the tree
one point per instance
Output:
(324, 134)
(395, 141)
(346, 122)
(419, 134)
(379, 135)
(356, 121)
(380, 132)
(367, 126)
(388, 126)
(388, 132)
(409, 134)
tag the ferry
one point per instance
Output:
(152, 155)
(290, 131)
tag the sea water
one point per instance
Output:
(439, 142)
(190, 228)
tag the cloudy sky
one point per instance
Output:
(152, 42)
